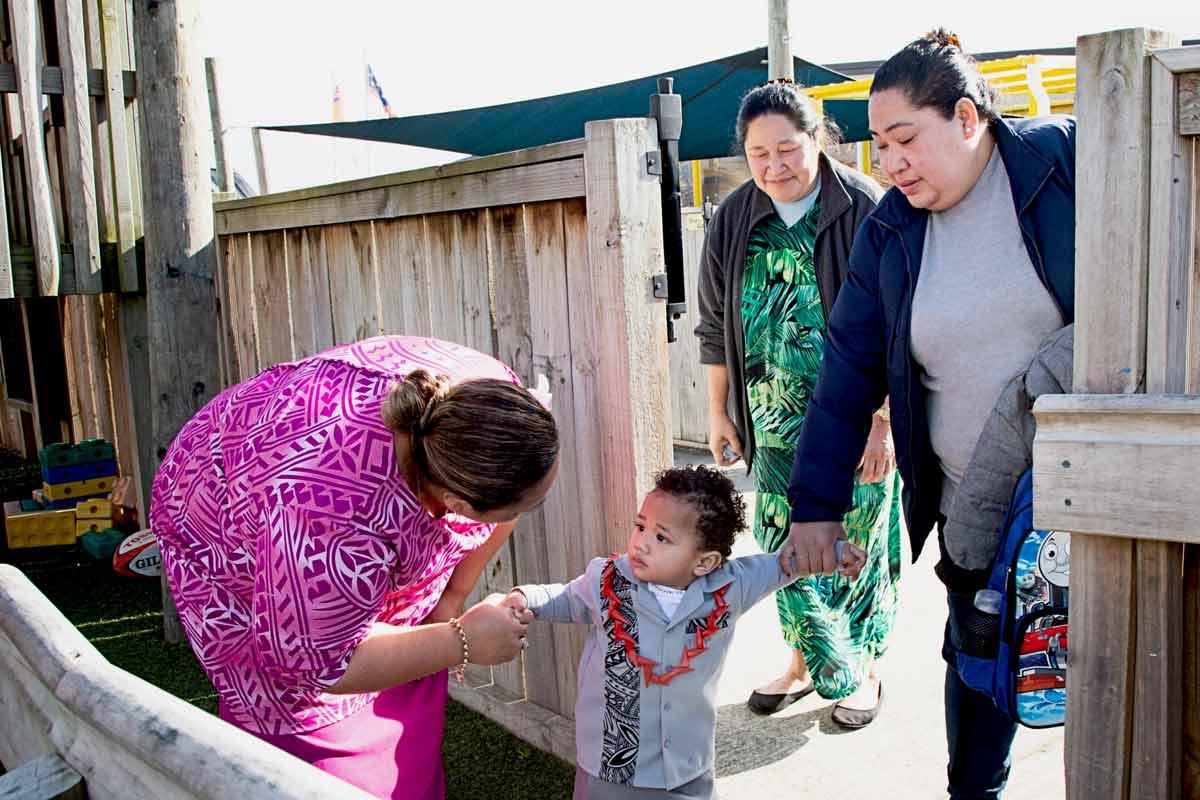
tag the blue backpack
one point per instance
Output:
(1018, 658)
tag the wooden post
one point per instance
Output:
(180, 250)
(81, 195)
(1108, 574)
(260, 163)
(779, 44)
(26, 35)
(119, 132)
(628, 394)
(225, 181)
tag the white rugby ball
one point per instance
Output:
(137, 556)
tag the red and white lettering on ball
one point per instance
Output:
(138, 557)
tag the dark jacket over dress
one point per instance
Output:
(868, 354)
(846, 198)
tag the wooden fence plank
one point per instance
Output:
(443, 272)
(272, 313)
(470, 245)
(689, 384)
(353, 284)
(81, 199)
(1112, 205)
(1189, 104)
(558, 151)
(404, 303)
(565, 551)
(549, 181)
(514, 346)
(23, 22)
(119, 135)
(239, 283)
(624, 252)
(101, 138)
(308, 281)
(1191, 672)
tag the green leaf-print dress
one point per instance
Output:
(839, 625)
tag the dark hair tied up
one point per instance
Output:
(786, 99)
(934, 72)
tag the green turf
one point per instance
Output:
(122, 617)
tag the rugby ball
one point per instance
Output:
(137, 556)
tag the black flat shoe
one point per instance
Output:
(855, 718)
(770, 703)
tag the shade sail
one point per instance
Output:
(711, 93)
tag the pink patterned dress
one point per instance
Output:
(287, 531)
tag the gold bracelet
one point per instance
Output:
(466, 650)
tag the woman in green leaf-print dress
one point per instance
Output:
(798, 215)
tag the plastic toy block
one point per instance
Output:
(32, 505)
(70, 502)
(62, 454)
(83, 526)
(94, 509)
(77, 489)
(91, 450)
(38, 528)
(58, 454)
(79, 472)
(101, 544)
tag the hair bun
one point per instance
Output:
(944, 38)
(411, 400)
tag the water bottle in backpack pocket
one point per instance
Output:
(1012, 645)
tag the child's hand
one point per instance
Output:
(517, 601)
(854, 558)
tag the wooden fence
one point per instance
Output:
(543, 258)
(75, 726)
(1117, 462)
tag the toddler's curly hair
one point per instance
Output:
(720, 510)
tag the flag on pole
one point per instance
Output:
(339, 114)
(378, 90)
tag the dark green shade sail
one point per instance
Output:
(711, 93)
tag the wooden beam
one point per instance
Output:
(559, 151)
(1112, 205)
(224, 168)
(1179, 59)
(779, 43)
(80, 173)
(260, 161)
(111, 35)
(180, 249)
(1189, 104)
(47, 778)
(35, 405)
(625, 251)
(525, 184)
(1105, 465)
(23, 22)
(52, 82)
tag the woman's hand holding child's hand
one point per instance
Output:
(495, 631)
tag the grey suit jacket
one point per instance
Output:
(651, 736)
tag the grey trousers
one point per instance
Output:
(589, 787)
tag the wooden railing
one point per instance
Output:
(543, 258)
(69, 718)
(1117, 462)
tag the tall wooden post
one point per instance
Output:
(224, 168)
(779, 44)
(180, 250)
(260, 162)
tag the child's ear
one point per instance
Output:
(707, 562)
(455, 503)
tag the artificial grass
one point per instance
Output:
(122, 617)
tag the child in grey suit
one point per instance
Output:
(661, 616)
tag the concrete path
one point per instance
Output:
(801, 753)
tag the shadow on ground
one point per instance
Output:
(747, 741)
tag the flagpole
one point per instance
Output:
(366, 113)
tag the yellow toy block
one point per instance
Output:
(64, 491)
(83, 526)
(38, 528)
(94, 509)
